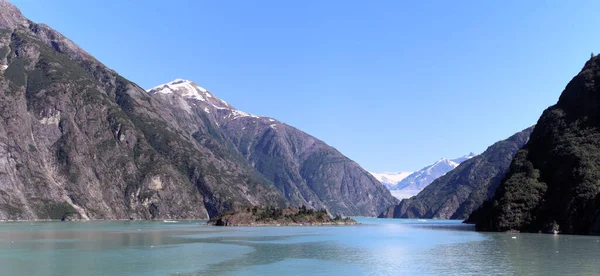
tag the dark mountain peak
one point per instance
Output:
(581, 97)
(12, 19)
(552, 184)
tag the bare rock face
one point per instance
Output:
(78, 141)
(76, 138)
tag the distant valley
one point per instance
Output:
(407, 184)
(462, 190)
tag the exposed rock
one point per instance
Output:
(77, 138)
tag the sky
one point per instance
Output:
(394, 85)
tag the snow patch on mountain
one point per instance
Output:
(189, 90)
(196, 94)
(193, 96)
(235, 114)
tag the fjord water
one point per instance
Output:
(377, 247)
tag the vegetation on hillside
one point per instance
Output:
(258, 216)
(554, 181)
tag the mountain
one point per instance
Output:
(462, 190)
(77, 140)
(304, 169)
(553, 181)
(390, 179)
(417, 181)
(423, 177)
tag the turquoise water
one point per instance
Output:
(378, 247)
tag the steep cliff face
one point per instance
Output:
(462, 190)
(79, 141)
(304, 169)
(553, 182)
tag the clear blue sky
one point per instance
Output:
(394, 85)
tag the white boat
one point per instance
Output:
(169, 221)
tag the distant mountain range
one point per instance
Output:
(407, 184)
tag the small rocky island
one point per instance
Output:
(261, 216)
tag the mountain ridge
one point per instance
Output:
(262, 139)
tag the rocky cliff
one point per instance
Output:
(462, 190)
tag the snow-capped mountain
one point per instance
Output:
(390, 179)
(412, 184)
(191, 91)
(298, 165)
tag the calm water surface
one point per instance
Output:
(378, 247)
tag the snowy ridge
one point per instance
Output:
(199, 96)
(188, 90)
(414, 183)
